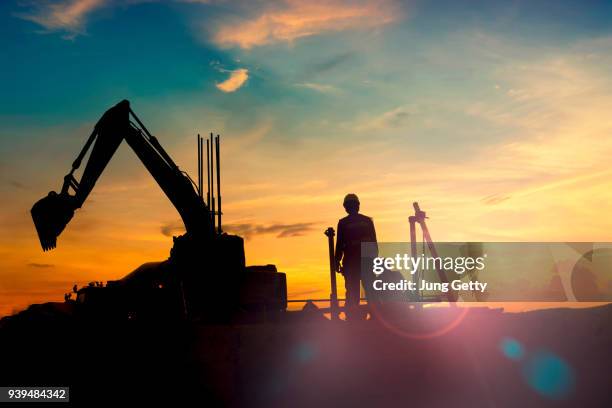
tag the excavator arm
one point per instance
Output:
(52, 213)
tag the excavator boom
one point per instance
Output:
(52, 213)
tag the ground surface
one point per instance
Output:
(559, 357)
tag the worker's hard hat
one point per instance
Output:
(351, 198)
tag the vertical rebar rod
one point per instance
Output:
(208, 174)
(217, 144)
(199, 166)
(202, 168)
(212, 183)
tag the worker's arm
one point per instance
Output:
(339, 253)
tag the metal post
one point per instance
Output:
(212, 183)
(199, 166)
(333, 297)
(416, 277)
(217, 147)
(208, 173)
(199, 163)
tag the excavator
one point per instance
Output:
(205, 276)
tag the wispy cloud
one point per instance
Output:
(322, 88)
(67, 16)
(237, 79)
(329, 64)
(494, 199)
(248, 230)
(295, 19)
(40, 265)
(394, 118)
(274, 22)
(16, 184)
(172, 228)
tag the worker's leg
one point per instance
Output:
(367, 280)
(352, 285)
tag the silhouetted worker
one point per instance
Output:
(353, 229)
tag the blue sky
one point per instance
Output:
(160, 50)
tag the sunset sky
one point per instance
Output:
(495, 116)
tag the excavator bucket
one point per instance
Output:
(51, 214)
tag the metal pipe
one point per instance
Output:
(217, 147)
(154, 142)
(199, 166)
(77, 162)
(208, 174)
(202, 168)
(333, 297)
(212, 184)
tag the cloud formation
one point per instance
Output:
(395, 118)
(275, 22)
(495, 199)
(322, 88)
(237, 78)
(68, 15)
(332, 63)
(296, 19)
(172, 228)
(248, 230)
(17, 184)
(40, 265)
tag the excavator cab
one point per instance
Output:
(51, 214)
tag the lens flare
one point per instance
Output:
(420, 325)
(305, 352)
(511, 348)
(549, 375)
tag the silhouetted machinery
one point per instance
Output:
(205, 276)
